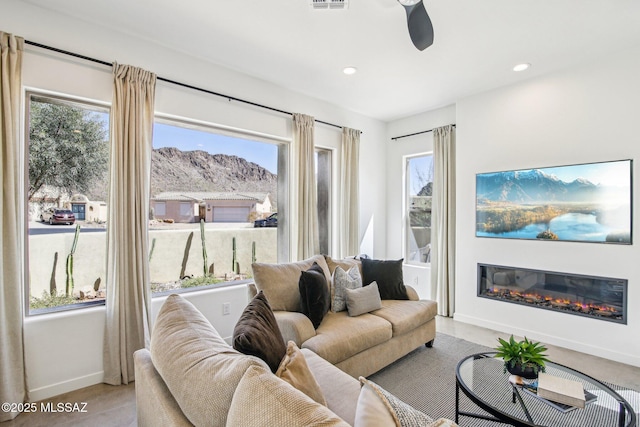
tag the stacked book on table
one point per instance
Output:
(562, 394)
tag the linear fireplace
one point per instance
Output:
(602, 298)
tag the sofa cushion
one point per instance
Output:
(262, 399)
(363, 300)
(280, 281)
(314, 294)
(406, 316)
(345, 263)
(199, 368)
(294, 370)
(388, 275)
(257, 333)
(339, 336)
(340, 389)
(341, 280)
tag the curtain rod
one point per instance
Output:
(395, 138)
(210, 92)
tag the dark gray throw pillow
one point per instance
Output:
(388, 275)
(315, 299)
(257, 333)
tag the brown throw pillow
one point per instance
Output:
(257, 333)
(388, 275)
(294, 370)
(315, 299)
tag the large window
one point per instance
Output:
(419, 190)
(214, 205)
(68, 156)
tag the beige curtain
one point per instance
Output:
(306, 206)
(12, 375)
(128, 294)
(350, 201)
(443, 220)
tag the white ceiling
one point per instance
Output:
(477, 43)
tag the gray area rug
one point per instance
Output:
(425, 379)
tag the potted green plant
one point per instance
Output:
(524, 358)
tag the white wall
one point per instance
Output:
(419, 277)
(584, 114)
(64, 351)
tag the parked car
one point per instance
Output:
(270, 221)
(58, 216)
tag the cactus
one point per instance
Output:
(53, 290)
(185, 257)
(69, 287)
(234, 262)
(153, 246)
(96, 284)
(253, 252)
(204, 248)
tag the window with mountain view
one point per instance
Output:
(213, 206)
(419, 189)
(68, 157)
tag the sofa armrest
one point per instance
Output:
(294, 326)
(413, 295)
(155, 405)
(252, 291)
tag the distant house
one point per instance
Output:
(183, 206)
(83, 208)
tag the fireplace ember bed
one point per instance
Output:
(601, 298)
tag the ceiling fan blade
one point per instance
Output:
(420, 27)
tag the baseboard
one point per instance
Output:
(605, 353)
(66, 386)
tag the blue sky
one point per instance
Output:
(616, 174)
(419, 165)
(264, 154)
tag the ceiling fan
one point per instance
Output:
(419, 23)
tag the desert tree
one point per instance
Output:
(68, 147)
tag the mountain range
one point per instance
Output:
(176, 170)
(534, 186)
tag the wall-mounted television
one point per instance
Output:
(589, 202)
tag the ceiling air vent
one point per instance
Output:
(329, 4)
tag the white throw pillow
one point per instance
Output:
(377, 407)
(342, 280)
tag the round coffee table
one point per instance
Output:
(481, 377)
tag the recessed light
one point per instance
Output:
(349, 70)
(521, 67)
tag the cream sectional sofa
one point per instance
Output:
(361, 345)
(191, 376)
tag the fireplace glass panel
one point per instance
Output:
(597, 297)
